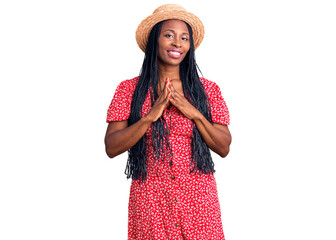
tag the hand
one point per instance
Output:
(160, 104)
(183, 104)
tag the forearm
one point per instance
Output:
(218, 140)
(122, 140)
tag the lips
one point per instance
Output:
(174, 53)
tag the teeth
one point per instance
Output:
(175, 53)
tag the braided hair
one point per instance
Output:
(193, 90)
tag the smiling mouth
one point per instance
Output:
(174, 54)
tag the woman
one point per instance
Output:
(167, 119)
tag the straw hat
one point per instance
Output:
(165, 12)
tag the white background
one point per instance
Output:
(61, 62)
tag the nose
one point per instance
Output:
(176, 43)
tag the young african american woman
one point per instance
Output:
(166, 200)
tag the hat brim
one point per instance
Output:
(145, 27)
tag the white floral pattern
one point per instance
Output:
(172, 203)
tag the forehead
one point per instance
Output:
(174, 24)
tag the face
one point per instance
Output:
(174, 42)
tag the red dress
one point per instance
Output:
(172, 204)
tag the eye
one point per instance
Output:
(168, 35)
(185, 38)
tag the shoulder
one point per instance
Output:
(208, 85)
(129, 84)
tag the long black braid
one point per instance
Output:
(194, 92)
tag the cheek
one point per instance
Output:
(161, 48)
(188, 46)
(161, 53)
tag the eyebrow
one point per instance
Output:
(171, 30)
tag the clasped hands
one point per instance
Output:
(168, 96)
(180, 101)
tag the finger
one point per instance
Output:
(171, 95)
(166, 95)
(171, 98)
(173, 101)
(164, 86)
(175, 94)
(169, 84)
(167, 87)
(174, 89)
(178, 96)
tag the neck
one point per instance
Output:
(169, 71)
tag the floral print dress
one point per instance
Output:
(172, 204)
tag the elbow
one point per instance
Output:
(110, 150)
(113, 152)
(110, 153)
(224, 152)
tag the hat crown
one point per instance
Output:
(166, 12)
(168, 8)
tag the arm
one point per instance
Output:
(216, 136)
(120, 137)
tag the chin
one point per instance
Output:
(171, 62)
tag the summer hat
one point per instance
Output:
(165, 12)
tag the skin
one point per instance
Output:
(120, 137)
